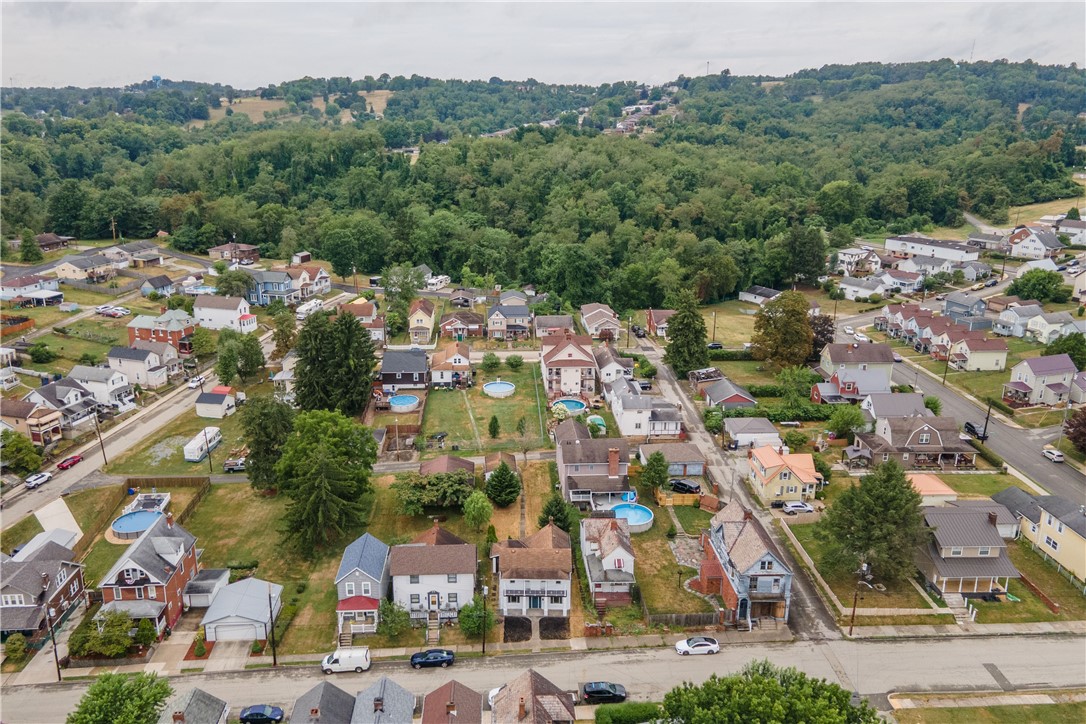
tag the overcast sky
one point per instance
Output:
(252, 44)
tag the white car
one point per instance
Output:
(102, 309)
(38, 479)
(1054, 455)
(861, 337)
(796, 508)
(196, 381)
(122, 310)
(849, 330)
(697, 645)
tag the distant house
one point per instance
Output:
(21, 286)
(608, 557)
(493, 460)
(1013, 321)
(972, 270)
(243, 611)
(509, 321)
(850, 386)
(1054, 525)
(307, 281)
(137, 254)
(534, 573)
(1000, 302)
(1073, 229)
(1079, 287)
(461, 325)
(725, 393)
(743, 566)
(590, 469)
(447, 464)
(75, 403)
(42, 424)
(215, 405)
(160, 285)
(451, 366)
(979, 355)
(1045, 264)
(167, 355)
(857, 262)
(913, 246)
(964, 553)
(384, 702)
(933, 491)
(450, 703)
(93, 269)
(174, 327)
(854, 288)
(683, 458)
(898, 280)
(785, 477)
(1078, 388)
(1046, 328)
(235, 252)
(47, 575)
(656, 321)
(532, 699)
(361, 582)
(49, 241)
(917, 442)
(420, 320)
(926, 265)
(433, 578)
(960, 304)
(512, 296)
(425, 272)
(553, 324)
(751, 432)
(568, 366)
(758, 295)
(894, 404)
(989, 242)
(600, 321)
(1040, 380)
(404, 370)
(1034, 242)
(215, 312)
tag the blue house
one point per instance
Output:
(271, 285)
(160, 285)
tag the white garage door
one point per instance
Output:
(233, 632)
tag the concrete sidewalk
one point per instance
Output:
(970, 629)
(944, 701)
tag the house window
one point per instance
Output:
(792, 488)
(1052, 544)
(451, 578)
(1049, 520)
(15, 599)
(514, 599)
(139, 594)
(181, 566)
(131, 574)
(904, 457)
(863, 366)
(365, 589)
(925, 438)
(956, 551)
(766, 566)
(73, 588)
(1059, 527)
(984, 551)
(414, 579)
(637, 426)
(116, 594)
(452, 598)
(885, 457)
(555, 600)
(619, 563)
(1033, 528)
(152, 592)
(348, 588)
(785, 475)
(399, 375)
(415, 600)
(599, 585)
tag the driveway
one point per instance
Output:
(57, 515)
(228, 656)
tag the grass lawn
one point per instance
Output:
(20, 533)
(1044, 576)
(952, 233)
(89, 505)
(68, 350)
(537, 488)
(897, 595)
(86, 298)
(984, 484)
(734, 322)
(106, 331)
(935, 619)
(1071, 451)
(163, 454)
(693, 520)
(1071, 713)
(42, 316)
(746, 372)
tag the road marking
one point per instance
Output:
(1003, 681)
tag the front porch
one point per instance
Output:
(357, 615)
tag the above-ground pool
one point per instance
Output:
(499, 389)
(201, 289)
(403, 403)
(598, 421)
(573, 406)
(130, 525)
(638, 516)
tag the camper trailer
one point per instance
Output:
(205, 441)
(313, 305)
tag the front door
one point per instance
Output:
(535, 602)
(434, 598)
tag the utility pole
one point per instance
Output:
(946, 367)
(271, 617)
(486, 615)
(113, 227)
(714, 326)
(100, 443)
(987, 416)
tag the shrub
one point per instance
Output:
(15, 648)
(41, 354)
(795, 439)
(490, 362)
(1001, 406)
(286, 615)
(514, 362)
(629, 712)
(257, 647)
(145, 632)
(300, 588)
(671, 532)
(990, 457)
(200, 649)
(242, 565)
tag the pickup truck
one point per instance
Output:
(234, 466)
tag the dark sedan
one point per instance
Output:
(682, 485)
(433, 657)
(260, 713)
(603, 692)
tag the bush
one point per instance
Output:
(15, 648)
(242, 565)
(286, 615)
(779, 413)
(41, 354)
(257, 647)
(795, 439)
(490, 362)
(1001, 406)
(200, 650)
(629, 712)
(514, 362)
(990, 457)
(671, 532)
(730, 355)
(300, 588)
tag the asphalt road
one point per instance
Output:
(970, 664)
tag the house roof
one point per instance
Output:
(986, 345)
(206, 581)
(986, 506)
(554, 321)
(159, 281)
(247, 599)
(588, 310)
(941, 243)
(660, 316)
(570, 429)
(211, 398)
(418, 559)
(410, 361)
(845, 354)
(509, 310)
(214, 301)
(465, 702)
(54, 391)
(749, 426)
(397, 704)
(85, 262)
(198, 707)
(467, 319)
(162, 349)
(422, 304)
(544, 701)
(87, 373)
(744, 539)
(558, 351)
(610, 534)
(18, 409)
(898, 404)
(442, 359)
(1019, 502)
(358, 603)
(926, 484)
(763, 292)
(332, 703)
(25, 574)
(155, 551)
(605, 356)
(863, 379)
(1053, 364)
(801, 464)
(547, 553)
(233, 246)
(593, 451)
(866, 283)
(675, 452)
(965, 300)
(966, 567)
(367, 554)
(962, 527)
(446, 464)
(494, 459)
(24, 281)
(438, 536)
(725, 388)
(130, 353)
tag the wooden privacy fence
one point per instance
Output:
(180, 481)
(15, 327)
(688, 500)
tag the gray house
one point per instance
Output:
(323, 703)
(960, 304)
(405, 369)
(363, 569)
(1012, 322)
(384, 702)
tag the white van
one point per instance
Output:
(356, 658)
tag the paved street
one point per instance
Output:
(1000, 664)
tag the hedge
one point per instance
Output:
(286, 615)
(630, 712)
(731, 355)
(1001, 406)
(990, 457)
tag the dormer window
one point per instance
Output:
(925, 438)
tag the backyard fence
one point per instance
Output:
(10, 326)
(201, 493)
(99, 523)
(179, 481)
(688, 500)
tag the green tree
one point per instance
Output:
(1075, 429)
(340, 248)
(514, 362)
(795, 440)
(934, 404)
(29, 251)
(764, 692)
(877, 522)
(494, 427)
(184, 302)
(122, 699)
(686, 349)
(203, 342)
(284, 333)
(20, 455)
(401, 283)
(233, 284)
(1073, 345)
(475, 617)
(415, 493)
(491, 362)
(1073, 214)
(845, 421)
(714, 420)
(477, 510)
(325, 469)
(41, 354)
(782, 331)
(558, 511)
(145, 632)
(267, 424)
(503, 486)
(226, 366)
(795, 383)
(392, 619)
(823, 332)
(655, 472)
(250, 356)
(15, 648)
(1044, 286)
(335, 364)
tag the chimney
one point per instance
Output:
(378, 704)
(522, 712)
(179, 717)
(747, 514)
(169, 520)
(315, 713)
(612, 462)
(992, 518)
(450, 708)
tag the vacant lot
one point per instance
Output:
(734, 322)
(1033, 212)
(163, 454)
(252, 107)
(377, 99)
(747, 372)
(1071, 713)
(69, 351)
(984, 484)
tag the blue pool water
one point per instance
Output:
(635, 515)
(598, 420)
(575, 407)
(499, 387)
(201, 289)
(403, 400)
(136, 521)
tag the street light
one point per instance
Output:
(49, 621)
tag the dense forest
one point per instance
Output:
(729, 180)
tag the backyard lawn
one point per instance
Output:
(1066, 713)
(734, 322)
(1042, 574)
(693, 520)
(68, 350)
(746, 372)
(983, 484)
(163, 454)
(18, 534)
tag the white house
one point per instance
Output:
(215, 312)
(862, 287)
(758, 295)
(21, 286)
(568, 365)
(909, 246)
(646, 416)
(1045, 328)
(752, 432)
(534, 573)
(1073, 229)
(141, 366)
(926, 265)
(608, 560)
(1046, 264)
(243, 611)
(450, 366)
(107, 386)
(1013, 321)
(898, 279)
(611, 366)
(854, 261)
(600, 321)
(215, 405)
(433, 580)
(1034, 243)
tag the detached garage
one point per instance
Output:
(241, 612)
(683, 458)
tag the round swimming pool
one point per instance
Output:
(499, 389)
(638, 516)
(573, 406)
(131, 525)
(403, 403)
(598, 420)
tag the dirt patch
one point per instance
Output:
(687, 551)
(166, 448)
(377, 100)
(552, 628)
(516, 629)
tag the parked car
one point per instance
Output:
(1073, 262)
(1054, 455)
(991, 282)
(260, 713)
(697, 645)
(861, 337)
(682, 485)
(977, 287)
(195, 381)
(1061, 267)
(246, 262)
(122, 311)
(715, 345)
(795, 508)
(103, 308)
(897, 357)
(849, 330)
(433, 657)
(645, 385)
(640, 333)
(603, 692)
(776, 504)
(38, 479)
(975, 430)
(940, 297)
(234, 466)
(69, 462)
(439, 436)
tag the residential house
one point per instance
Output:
(174, 327)
(913, 246)
(234, 252)
(972, 270)
(933, 491)
(898, 320)
(1078, 289)
(656, 321)
(446, 464)
(148, 580)
(926, 265)
(532, 699)
(49, 241)
(21, 286)
(272, 284)
(137, 254)
(45, 576)
(1045, 264)
(42, 424)
(461, 325)
(215, 405)
(361, 584)
(463, 298)
(76, 404)
(1006, 524)
(894, 404)
(283, 380)
(1078, 388)
(451, 366)
(1034, 242)
(554, 324)
(959, 304)
(1073, 229)
(568, 366)
(1046, 328)
(452, 702)
(509, 321)
(854, 288)
(433, 579)
(243, 611)
(752, 432)
(420, 320)
(783, 476)
(836, 357)
(758, 295)
(326, 703)
(141, 366)
(384, 702)
(1014, 321)
(512, 296)
(424, 272)
(166, 352)
(726, 394)
(160, 285)
(93, 269)
(978, 355)
(683, 458)
(1054, 525)
(1000, 302)
(915, 442)
(646, 416)
(404, 370)
(9, 379)
(308, 281)
(195, 706)
(590, 470)
(849, 386)
(988, 242)
(964, 553)
(366, 314)
(608, 557)
(611, 366)
(215, 312)
(1040, 381)
(857, 262)
(743, 566)
(108, 386)
(534, 573)
(600, 321)
(493, 460)
(898, 280)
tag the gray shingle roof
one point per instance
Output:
(138, 355)
(158, 282)
(92, 374)
(86, 262)
(898, 404)
(211, 398)
(962, 527)
(147, 552)
(423, 560)
(509, 310)
(723, 389)
(1019, 502)
(397, 704)
(366, 554)
(214, 301)
(248, 599)
(334, 704)
(764, 292)
(197, 705)
(749, 426)
(205, 581)
(870, 353)
(26, 576)
(407, 361)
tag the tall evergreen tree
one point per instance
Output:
(687, 348)
(267, 423)
(558, 511)
(352, 372)
(29, 251)
(317, 357)
(503, 487)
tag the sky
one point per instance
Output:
(248, 44)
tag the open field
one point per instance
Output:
(952, 233)
(746, 372)
(1068, 713)
(163, 454)
(734, 322)
(1032, 212)
(69, 351)
(377, 99)
(253, 107)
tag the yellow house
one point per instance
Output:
(1055, 526)
(92, 268)
(420, 321)
(783, 477)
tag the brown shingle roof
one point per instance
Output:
(19, 409)
(544, 702)
(416, 559)
(446, 464)
(493, 460)
(544, 554)
(441, 359)
(422, 304)
(467, 703)
(438, 536)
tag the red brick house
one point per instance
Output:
(174, 327)
(656, 321)
(150, 576)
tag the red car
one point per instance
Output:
(69, 462)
